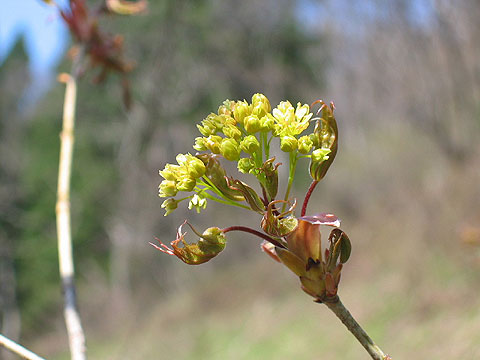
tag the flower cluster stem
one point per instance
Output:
(253, 232)
(291, 175)
(352, 325)
(307, 197)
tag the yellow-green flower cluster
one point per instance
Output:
(238, 127)
(181, 177)
(242, 131)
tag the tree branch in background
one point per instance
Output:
(18, 349)
(76, 336)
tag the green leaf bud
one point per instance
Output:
(241, 111)
(250, 144)
(305, 144)
(198, 203)
(169, 205)
(245, 165)
(213, 143)
(167, 188)
(186, 183)
(230, 149)
(232, 131)
(288, 143)
(252, 124)
(200, 144)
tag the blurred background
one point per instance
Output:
(405, 78)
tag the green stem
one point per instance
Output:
(266, 145)
(210, 186)
(211, 197)
(291, 175)
(347, 319)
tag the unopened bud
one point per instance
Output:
(167, 188)
(261, 105)
(245, 165)
(186, 183)
(213, 143)
(200, 144)
(241, 111)
(252, 124)
(169, 205)
(230, 149)
(305, 144)
(288, 143)
(232, 131)
(250, 144)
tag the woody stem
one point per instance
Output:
(307, 197)
(352, 325)
(253, 232)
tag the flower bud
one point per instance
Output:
(169, 205)
(320, 155)
(196, 168)
(232, 131)
(250, 144)
(198, 203)
(230, 149)
(261, 105)
(213, 143)
(226, 107)
(252, 124)
(267, 123)
(245, 165)
(167, 188)
(208, 126)
(288, 143)
(241, 111)
(186, 183)
(200, 144)
(170, 172)
(305, 144)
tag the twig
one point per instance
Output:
(18, 349)
(76, 336)
(347, 319)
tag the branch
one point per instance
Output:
(18, 349)
(76, 336)
(347, 319)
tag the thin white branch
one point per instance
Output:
(76, 336)
(18, 349)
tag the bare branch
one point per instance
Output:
(18, 349)
(65, 257)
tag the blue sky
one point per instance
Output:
(44, 36)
